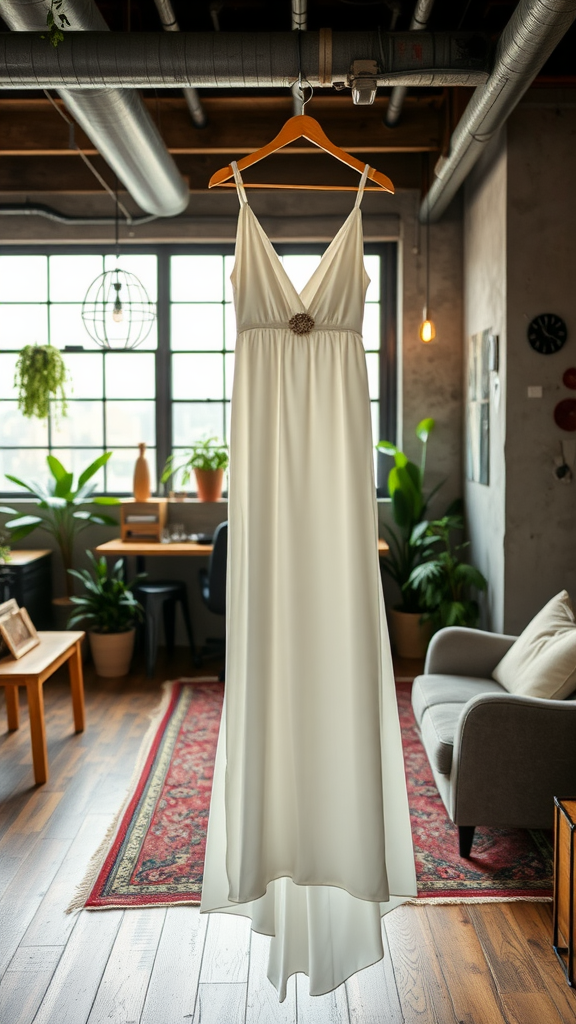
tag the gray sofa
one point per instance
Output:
(498, 758)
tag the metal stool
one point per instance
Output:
(160, 597)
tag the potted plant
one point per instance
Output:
(409, 543)
(62, 510)
(40, 377)
(110, 611)
(208, 459)
(444, 582)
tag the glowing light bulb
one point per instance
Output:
(117, 312)
(427, 331)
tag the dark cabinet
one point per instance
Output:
(31, 585)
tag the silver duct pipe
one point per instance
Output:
(299, 24)
(170, 24)
(398, 95)
(225, 60)
(534, 30)
(117, 122)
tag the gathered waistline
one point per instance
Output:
(283, 326)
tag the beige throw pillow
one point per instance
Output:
(542, 661)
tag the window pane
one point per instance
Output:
(230, 326)
(7, 369)
(23, 279)
(85, 369)
(71, 276)
(76, 460)
(17, 429)
(23, 325)
(228, 268)
(120, 472)
(144, 267)
(229, 366)
(372, 264)
(300, 268)
(67, 327)
(128, 423)
(193, 420)
(26, 463)
(81, 426)
(372, 365)
(130, 375)
(197, 279)
(197, 376)
(371, 326)
(197, 326)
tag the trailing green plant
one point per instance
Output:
(61, 509)
(409, 542)
(55, 14)
(40, 376)
(444, 582)
(208, 453)
(108, 605)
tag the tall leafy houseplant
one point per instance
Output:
(409, 541)
(40, 377)
(207, 459)
(61, 509)
(444, 582)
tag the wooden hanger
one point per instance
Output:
(298, 127)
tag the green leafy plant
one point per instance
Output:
(108, 606)
(444, 582)
(61, 508)
(409, 542)
(5, 555)
(209, 453)
(40, 376)
(55, 14)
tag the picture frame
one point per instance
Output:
(18, 632)
(6, 608)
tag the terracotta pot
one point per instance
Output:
(141, 484)
(112, 652)
(410, 636)
(209, 484)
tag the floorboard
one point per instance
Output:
(475, 964)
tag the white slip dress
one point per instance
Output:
(309, 829)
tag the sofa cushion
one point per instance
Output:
(438, 730)
(428, 691)
(542, 661)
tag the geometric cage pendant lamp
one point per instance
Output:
(117, 311)
(427, 331)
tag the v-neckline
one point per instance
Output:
(278, 261)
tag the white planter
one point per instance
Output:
(112, 652)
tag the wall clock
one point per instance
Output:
(547, 333)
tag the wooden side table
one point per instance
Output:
(564, 908)
(31, 671)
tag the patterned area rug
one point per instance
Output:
(155, 855)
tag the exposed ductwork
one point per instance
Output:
(226, 60)
(534, 30)
(116, 121)
(170, 24)
(299, 24)
(398, 94)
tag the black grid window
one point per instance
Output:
(176, 387)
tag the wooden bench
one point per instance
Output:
(31, 671)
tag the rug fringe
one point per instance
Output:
(83, 890)
(447, 901)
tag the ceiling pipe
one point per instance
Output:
(193, 102)
(49, 213)
(116, 121)
(299, 24)
(398, 95)
(533, 32)
(225, 60)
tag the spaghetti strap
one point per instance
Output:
(361, 186)
(239, 185)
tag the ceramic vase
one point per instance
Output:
(141, 485)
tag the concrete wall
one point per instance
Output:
(485, 309)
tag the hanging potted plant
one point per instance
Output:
(109, 611)
(40, 378)
(207, 459)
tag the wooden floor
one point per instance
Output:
(444, 965)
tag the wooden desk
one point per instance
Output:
(31, 671)
(122, 548)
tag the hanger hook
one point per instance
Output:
(304, 100)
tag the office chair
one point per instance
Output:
(213, 579)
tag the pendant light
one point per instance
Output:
(427, 331)
(117, 312)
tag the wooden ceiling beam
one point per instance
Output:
(237, 125)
